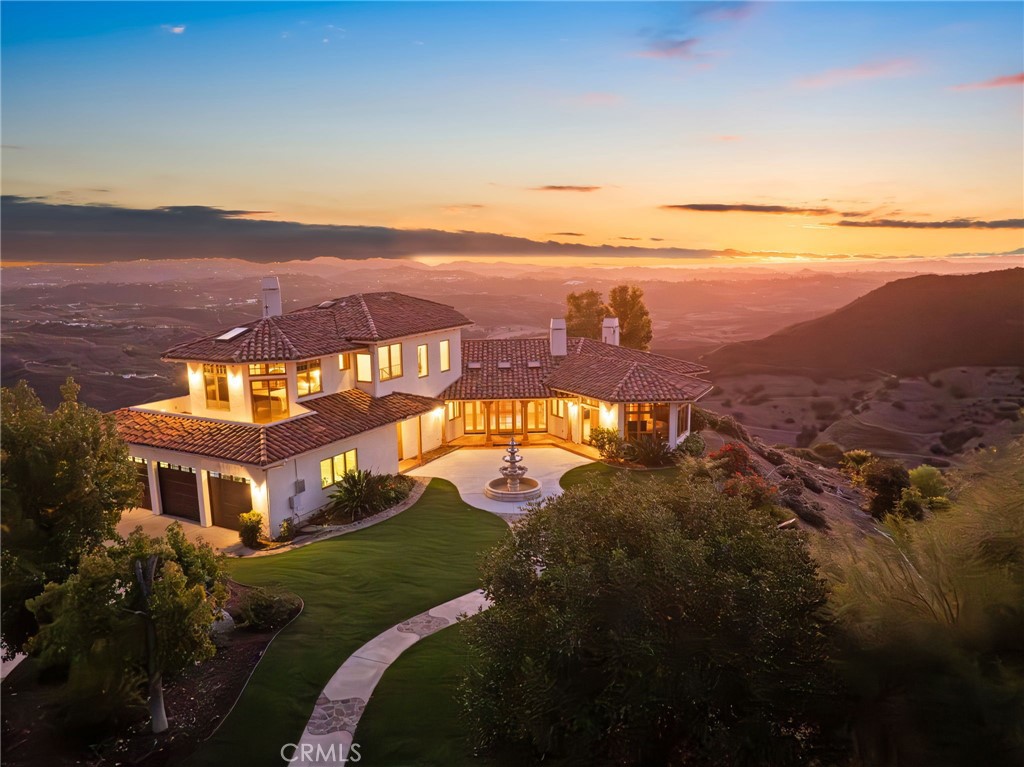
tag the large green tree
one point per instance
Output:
(627, 303)
(130, 613)
(931, 628)
(65, 478)
(586, 311)
(651, 623)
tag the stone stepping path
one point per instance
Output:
(332, 726)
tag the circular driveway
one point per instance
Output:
(470, 468)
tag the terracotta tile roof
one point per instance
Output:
(334, 417)
(338, 325)
(489, 381)
(591, 369)
(620, 380)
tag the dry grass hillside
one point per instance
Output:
(909, 327)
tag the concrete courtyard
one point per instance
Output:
(470, 468)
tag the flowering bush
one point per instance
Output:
(754, 488)
(732, 459)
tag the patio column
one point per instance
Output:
(419, 439)
(487, 421)
(523, 405)
(673, 424)
(622, 420)
(689, 412)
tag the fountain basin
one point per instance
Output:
(497, 489)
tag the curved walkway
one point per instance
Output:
(469, 468)
(331, 728)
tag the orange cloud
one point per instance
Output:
(996, 82)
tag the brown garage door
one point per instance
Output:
(147, 500)
(179, 494)
(229, 497)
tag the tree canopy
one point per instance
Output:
(586, 311)
(65, 479)
(651, 623)
(117, 633)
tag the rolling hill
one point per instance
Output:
(908, 327)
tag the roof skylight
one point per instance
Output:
(473, 365)
(504, 365)
(533, 364)
(233, 333)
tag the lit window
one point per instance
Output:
(308, 379)
(446, 355)
(363, 372)
(422, 365)
(558, 408)
(269, 399)
(344, 361)
(267, 369)
(333, 469)
(389, 359)
(454, 410)
(215, 379)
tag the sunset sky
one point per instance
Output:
(841, 128)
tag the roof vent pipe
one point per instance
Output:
(557, 337)
(610, 331)
(271, 297)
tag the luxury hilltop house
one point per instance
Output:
(280, 408)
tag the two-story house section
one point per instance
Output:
(280, 408)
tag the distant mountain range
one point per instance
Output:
(907, 327)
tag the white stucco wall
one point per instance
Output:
(435, 381)
(376, 450)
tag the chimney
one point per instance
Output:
(610, 331)
(557, 336)
(271, 297)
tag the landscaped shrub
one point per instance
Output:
(693, 445)
(250, 528)
(287, 532)
(608, 443)
(698, 420)
(362, 493)
(757, 491)
(648, 450)
(266, 609)
(732, 459)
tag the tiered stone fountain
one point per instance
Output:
(513, 486)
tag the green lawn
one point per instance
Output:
(354, 587)
(413, 716)
(602, 472)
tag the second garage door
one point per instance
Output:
(229, 497)
(179, 493)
